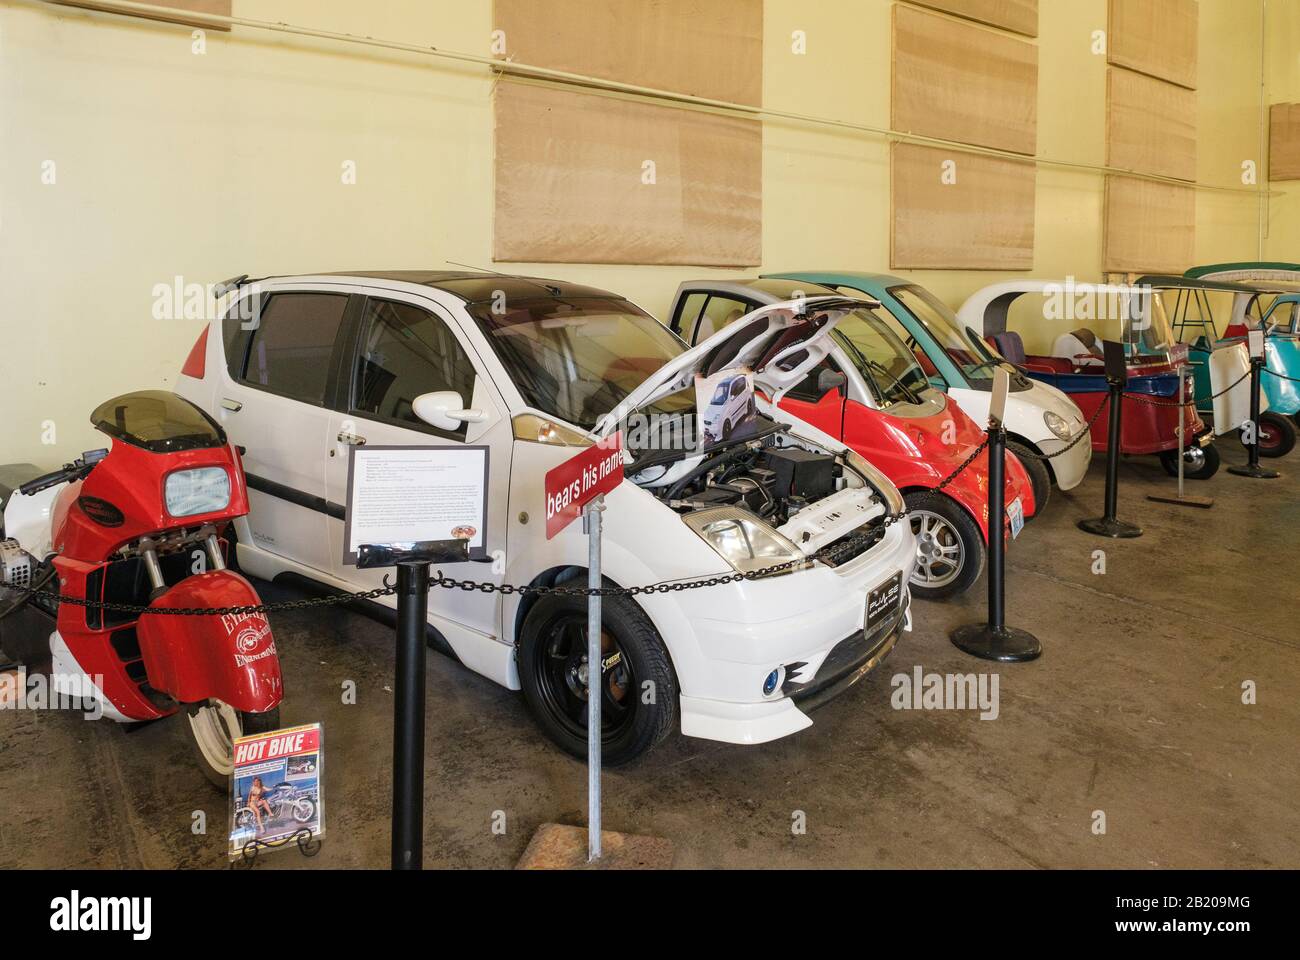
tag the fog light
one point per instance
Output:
(772, 682)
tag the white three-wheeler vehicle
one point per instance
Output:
(535, 370)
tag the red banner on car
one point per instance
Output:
(576, 482)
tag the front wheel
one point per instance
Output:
(303, 810)
(637, 684)
(1199, 463)
(1276, 435)
(212, 728)
(949, 546)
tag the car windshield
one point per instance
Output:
(577, 359)
(880, 357)
(1145, 326)
(976, 359)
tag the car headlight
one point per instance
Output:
(882, 484)
(742, 539)
(201, 490)
(1057, 425)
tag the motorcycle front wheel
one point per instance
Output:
(212, 727)
(303, 810)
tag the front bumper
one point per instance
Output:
(809, 625)
(1070, 467)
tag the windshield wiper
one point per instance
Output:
(912, 397)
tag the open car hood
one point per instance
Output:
(780, 342)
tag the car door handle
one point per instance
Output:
(234, 406)
(351, 438)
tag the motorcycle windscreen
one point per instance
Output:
(231, 658)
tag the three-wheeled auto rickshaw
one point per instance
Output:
(1132, 314)
(1269, 300)
(1040, 420)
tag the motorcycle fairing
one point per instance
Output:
(230, 658)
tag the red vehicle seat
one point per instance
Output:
(1234, 330)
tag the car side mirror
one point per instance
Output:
(829, 380)
(445, 410)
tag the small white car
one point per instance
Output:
(534, 370)
(729, 407)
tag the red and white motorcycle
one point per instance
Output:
(140, 525)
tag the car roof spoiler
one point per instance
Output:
(219, 290)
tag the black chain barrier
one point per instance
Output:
(831, 555)
(1282, 376)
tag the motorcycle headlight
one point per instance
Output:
(882, 484)
(201, 490)
(742, 539)
(1057, 425)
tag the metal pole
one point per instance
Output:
(408, 715)
(1112, 452)
(595, 676)
(1256, 365)
(1182, 425)
(997, 515)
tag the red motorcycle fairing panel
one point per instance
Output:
(918, 452)
(132, 480)
(230, 658)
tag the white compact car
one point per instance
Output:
(535, 369)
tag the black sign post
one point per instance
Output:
(1252, 468)
(1116, 378)
(412, 562)
(994, 640)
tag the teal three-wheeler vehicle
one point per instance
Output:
(1265, 296)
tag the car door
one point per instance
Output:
(274, 402)
(399, 348)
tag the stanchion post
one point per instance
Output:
(591, 518)
(412, 562)
(1252, 468)
(408, 715)
(1109, 525)
(994, 640)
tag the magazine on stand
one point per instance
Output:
(275, 787)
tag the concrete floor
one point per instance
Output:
(1134, 709)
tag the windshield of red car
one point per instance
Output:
(578, 358)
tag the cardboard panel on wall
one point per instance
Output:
(1284, 141)
(1155, 37)
(982, 221)
(707, 48)
(1150, 125)
(219, 7)
(1150, 227)
(962, 82)
(571, 171)
(1020, 16)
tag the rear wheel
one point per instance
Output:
(637, 683)
(212, 728)
(1199, 463)
(949, 545)
(1276, 435)
(1039, 478)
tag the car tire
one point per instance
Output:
(1039, 478)
(1206, 465)
(943, 523)
(1276, 435)
(551, 651)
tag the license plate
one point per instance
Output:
(1016, 514)
(883, 600)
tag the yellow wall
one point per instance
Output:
(169, 163)
(1282, 56)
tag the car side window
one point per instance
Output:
(688, 313)
(718, 313)
(405, 352)
(808, 388)
(290, 344)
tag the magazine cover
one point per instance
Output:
(275, 787)
(725, 402)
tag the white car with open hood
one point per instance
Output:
(305, 366)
